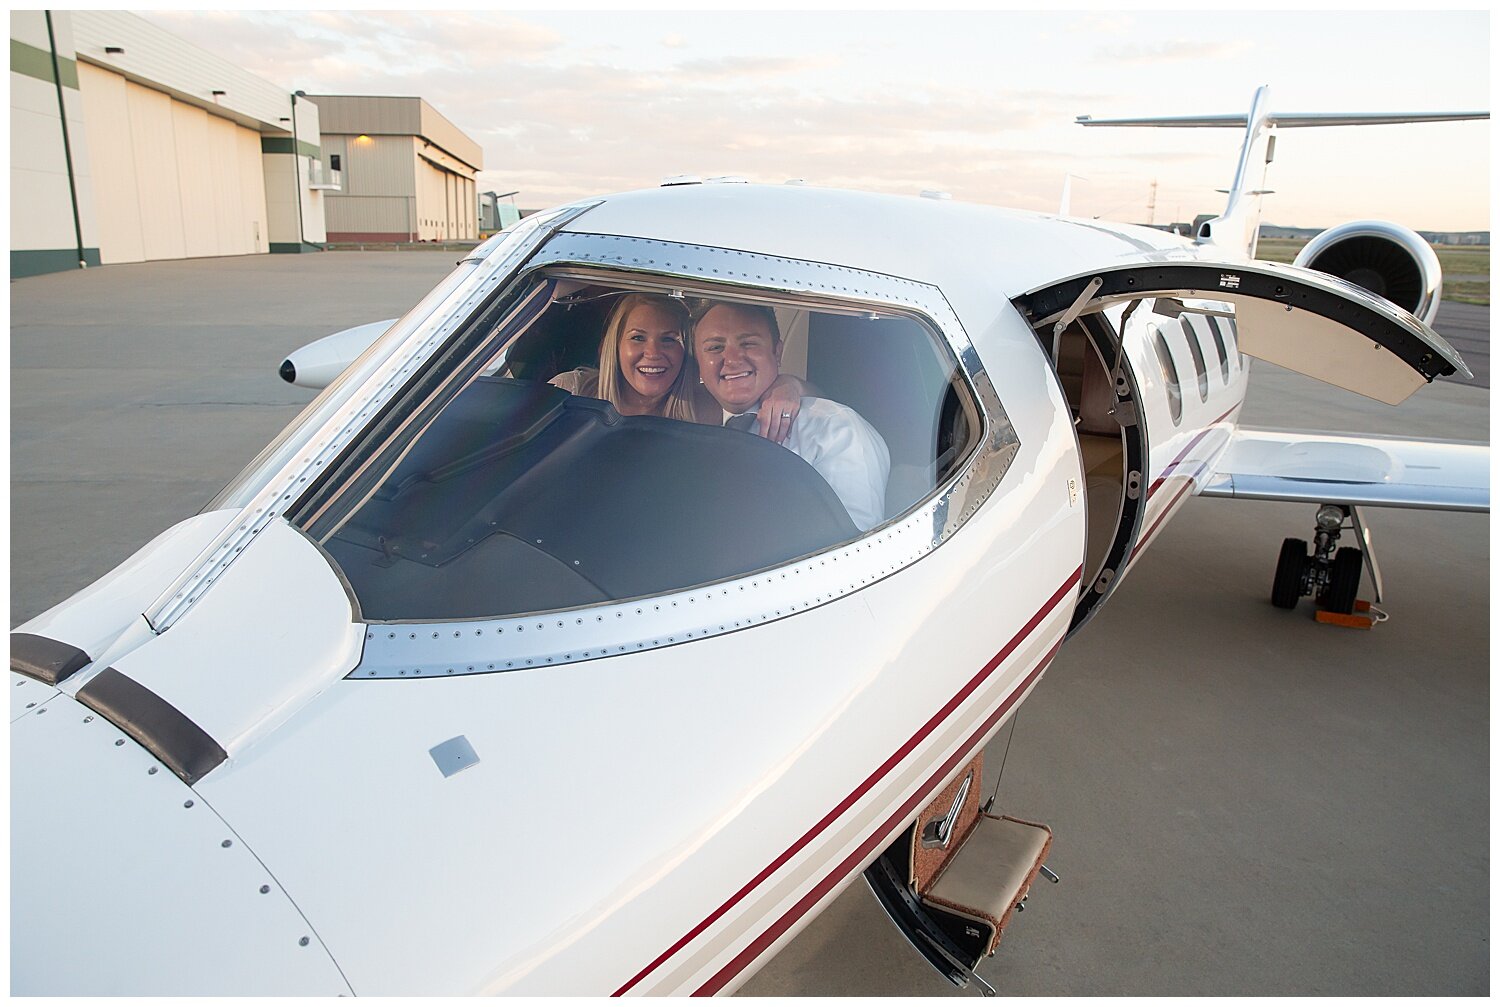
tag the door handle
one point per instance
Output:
(939, 831)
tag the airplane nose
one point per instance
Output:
(288, 371)
(124, 880)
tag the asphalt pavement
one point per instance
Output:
(1467, 327)
(1244, 801)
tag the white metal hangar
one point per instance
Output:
(130, 144)
(408, 173)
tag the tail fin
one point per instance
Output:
(1236, 230)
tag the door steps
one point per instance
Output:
(955, 879)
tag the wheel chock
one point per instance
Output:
(1352, 621)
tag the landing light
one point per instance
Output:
(1330, 517)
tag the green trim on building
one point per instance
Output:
(34, 62)
(36, 262)
(280, 247)
(283, 145)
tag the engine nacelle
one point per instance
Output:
(1386, 258)
(318, 363)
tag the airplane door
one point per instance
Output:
(1298, 318)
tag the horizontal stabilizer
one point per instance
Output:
(1288, 120)
(1236, 230)
(1369, 471)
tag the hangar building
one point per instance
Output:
(129, 144)
(408, 173)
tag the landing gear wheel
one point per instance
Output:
(1286, 589)
(1343, 581)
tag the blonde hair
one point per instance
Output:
(677, 404)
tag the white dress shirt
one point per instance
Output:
(847, 452)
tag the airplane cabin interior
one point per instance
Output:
(1089, 389)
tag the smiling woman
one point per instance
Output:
(642, 359)
(501, 494)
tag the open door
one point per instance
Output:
(1298, 318)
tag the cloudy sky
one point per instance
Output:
(981, 105)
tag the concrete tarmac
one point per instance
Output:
(138, 391)
(1244, 801)
(1467, 327)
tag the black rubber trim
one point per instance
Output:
(160, 727)
(908, 912)
(1146, 281)
(45, 659)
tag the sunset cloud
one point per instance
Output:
(750, 66)
(1176, 51)
(981, 105)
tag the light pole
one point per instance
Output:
(297, 171)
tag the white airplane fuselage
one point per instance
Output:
(668, 788)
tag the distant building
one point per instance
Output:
(1456, 237)
(407, 173)
(129, 144)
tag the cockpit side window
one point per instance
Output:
(516, 484)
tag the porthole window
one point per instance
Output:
(1168, 373)
(1231, 339)
(1190, 333)
(1218, 336)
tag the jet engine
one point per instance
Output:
(1386, 258)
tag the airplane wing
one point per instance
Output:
(1360, 470)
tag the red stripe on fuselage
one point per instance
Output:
(1161, 518)
(1167, 471)
(868, 783)
(765, 940)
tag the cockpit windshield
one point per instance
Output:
(585, 441)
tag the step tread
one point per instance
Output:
(997, 863)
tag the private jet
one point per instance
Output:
(471, 684)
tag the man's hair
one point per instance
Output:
(764, 312)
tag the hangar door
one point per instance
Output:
(170, 180)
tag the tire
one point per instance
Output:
(1343, 580)
(1286, 589)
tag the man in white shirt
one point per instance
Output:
(738, 349)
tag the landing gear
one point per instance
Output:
(1291, 572)
(1342, 589)
(1331, 575)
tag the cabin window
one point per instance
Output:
(1227, 327)
(1190, 333)
(1213, 328)
(512, 479)
(1168, 373)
